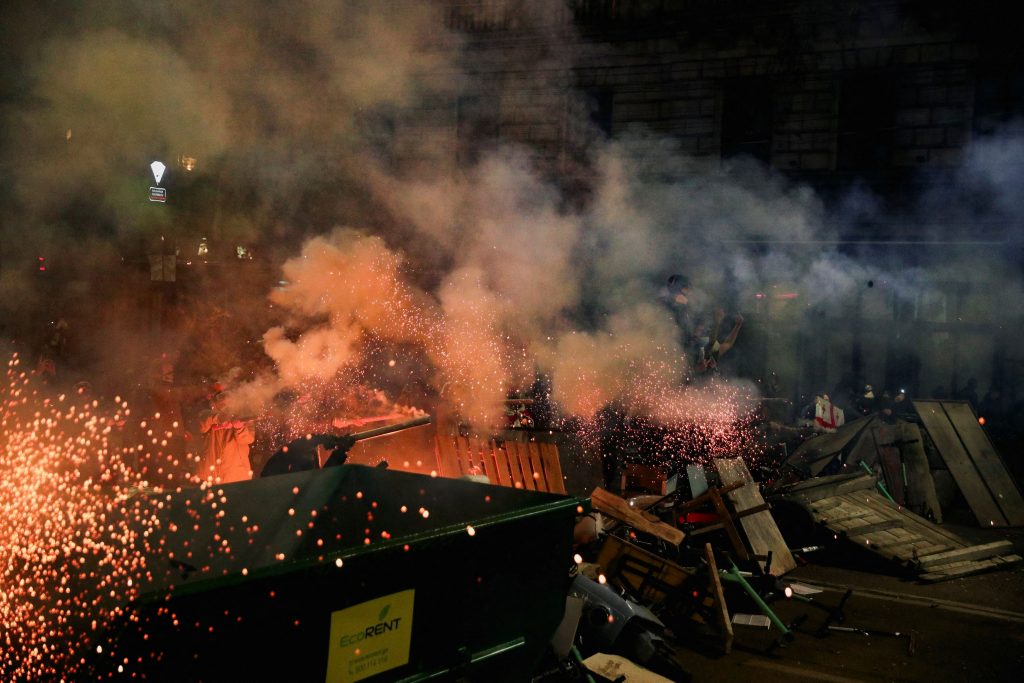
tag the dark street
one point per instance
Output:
(477, 340)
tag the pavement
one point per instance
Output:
(967, 629)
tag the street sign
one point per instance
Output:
(158, 169)
(157, 194)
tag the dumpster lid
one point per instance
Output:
(274, 525)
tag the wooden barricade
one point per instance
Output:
(757, 521)
(530, 465)
(976, 467)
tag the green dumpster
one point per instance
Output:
(346, 574)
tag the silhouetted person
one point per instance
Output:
(675, 296)
(993, 406)
(866, 403)
(312, 452)
(969, 393)
(706, 346)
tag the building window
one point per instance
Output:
(477, 126)
(998, 99)
(748, 116)
(867, 121)
(600, 107)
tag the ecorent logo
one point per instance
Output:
(382, 626)
(371, 637)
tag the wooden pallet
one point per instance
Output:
(532, 465)
(760, 528)
(976, 467)
(851, 507)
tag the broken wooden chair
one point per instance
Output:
(688, 600)
(724, 514)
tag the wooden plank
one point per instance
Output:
(471, 459)
(914, 550)
(918, 535)
(728, 523)
(886, 438)
(920, 485)
(850, 524)
(708, 496)
(913, 539)
(447, 456)
(617, 667)
(760, 528)
(526, 464)
(522, 477)
(968, 568)
(973, 552)
(890, 531)
(953, 453)
(852, 516)
(839, 486)
(872, 528)
(717, 526)
(613, 506)
(753, 510)
(830, 480)
(721, 609)
(537, 464)
(502, 472)
(864, 449)
(552, 463)
(911, 521)
(465, 466)
(988, 463)
(826, 504)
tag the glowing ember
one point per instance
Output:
(71, 520)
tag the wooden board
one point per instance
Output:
(864, 449)
(552, 463)
(821, 488)
(447, 456)
(617, 668)
(721, 609)
(614, 506)
(988, 463)
(886, 438)
(760, 528)
(976, 552)
(921, 495)
(502, 469)
(531, 465)
(967, 568)
(867, 518)
(953, 453)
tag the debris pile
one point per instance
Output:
(694, 558)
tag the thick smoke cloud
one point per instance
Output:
(300, 117)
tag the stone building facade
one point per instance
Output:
(885, 95)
